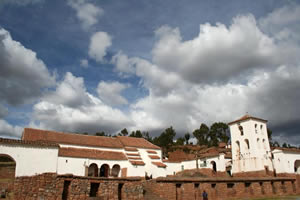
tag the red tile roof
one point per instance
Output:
(246, 117)
(130, 149)
(136, 162)
(132, 154)
(134, 158)
(152, 152)
(90, 153)
(31, 134)
(154, 156)
(136, 142)
(28, 143)
(159, 164)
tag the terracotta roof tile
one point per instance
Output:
(159, 164)
(132, 154)
(154, 156)
(31, 134)
(152, 152)
(134, 158)
(28, 143)
(130, 149)
(90, 153)
(246, 117)
(136, 142)
(136, 162)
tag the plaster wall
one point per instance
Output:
(258, 155)
(284, 162)
(31, 160)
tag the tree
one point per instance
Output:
(136, 133)
(180, 141)
(165, 140)
(100, 133)
(124, 132)
(187, 138)
(284, 145)
(269, 132)
(218, 133)
(201, 134)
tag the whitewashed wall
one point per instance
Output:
(258, 155)
(31, 160)
(284, 162)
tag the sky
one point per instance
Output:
(101, 65)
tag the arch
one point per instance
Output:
(241, 130)
(7, 173)
(258, 145)
(264, 143)
(115, 170)
(247, 144)
(297, 166)
(214, 166)
(104, 170)
(93, 170)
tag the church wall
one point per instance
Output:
(31, 160)
(284, 162)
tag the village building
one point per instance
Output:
(249, 154)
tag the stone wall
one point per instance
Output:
(51, 186)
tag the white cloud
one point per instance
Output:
(99, 43)
(218, 53)
(71, 108)
(87, 13)
(84, 63)
(22, 75)
(8, 130)
(110, 92)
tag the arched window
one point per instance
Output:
(115, 170)
(241, 130)
(214, 166)
(264, 143)
(258, 143)
(247, 144)
(297, 166)
(104, 170)
(93, 170)
(255, 127)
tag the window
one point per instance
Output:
(247, 144)
(241, 130)
(258, 145)
(255, 126)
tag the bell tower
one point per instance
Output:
(250, 145)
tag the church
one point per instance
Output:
(43, 151)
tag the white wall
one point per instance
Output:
(258, 155)
(284, 162)
(31, 160)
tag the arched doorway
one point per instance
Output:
(7, 174)
(115, 170)
(297, 166)
(104, 170)
(214, 166)
(93, 170)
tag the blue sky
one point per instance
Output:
(88, 66)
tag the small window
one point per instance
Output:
(196, 185)
(261, 126)
(182, 167)
(247, 184)
(241, 130)
(230, 185)
(213, 185)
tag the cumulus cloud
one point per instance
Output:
(71, 108)
(84, 63)
(218, 53)
(219, 75)
(9, 130)
(99, 43)
(87, 13)
(22, 75)
(110, 92)
(3, 111)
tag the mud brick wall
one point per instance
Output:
(7, 171)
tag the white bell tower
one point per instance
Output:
(250, 145)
